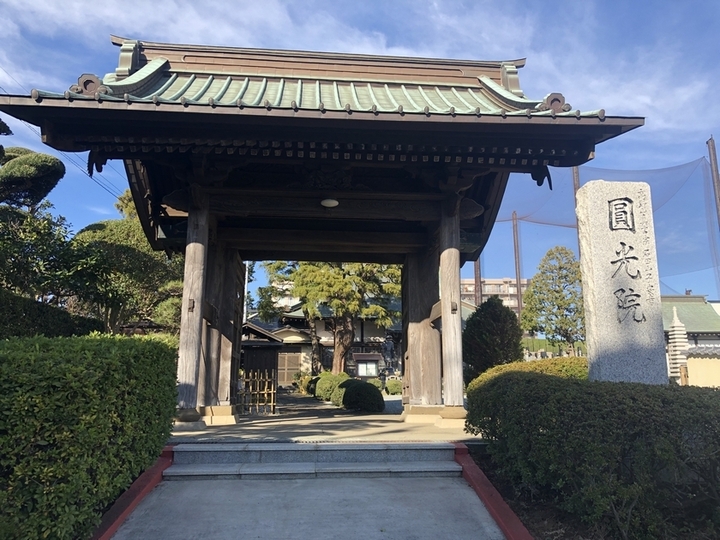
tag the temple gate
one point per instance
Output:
(243, 154)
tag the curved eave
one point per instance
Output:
(36, 111)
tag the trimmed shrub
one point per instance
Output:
(339, 393)
(311, 385)
(492, 336)
(82, 418)
(24, 317)
(393, 387)
(376, 383)
(637, 460)
(327, 384)
(571, 367)
(363, 396)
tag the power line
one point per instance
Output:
(109, 187)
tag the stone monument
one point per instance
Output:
(621, 289)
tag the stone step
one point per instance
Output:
(311, 460)
(290, 470)
(237, 453)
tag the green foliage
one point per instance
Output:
(393, 387)
(138, 278)
(363, 397)
(25, 317)
(126, 205)
(639, 461)
(552, 303)
(26, 177)
(38, 260)
(82, 417)
(338, 394)
(167, 311)
(376, 383)
(348, 290)
(492, 336)
(326, 385)
(570, 367)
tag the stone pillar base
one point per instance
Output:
(421, 414)
(189, 426)
(220, 415)
(451, 417)
(187, 415)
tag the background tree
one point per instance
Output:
(138, 279)
(26, 177)
(348, 290)
(492, 336)
(552, 303)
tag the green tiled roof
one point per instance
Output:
(243, 81)
(693, 311)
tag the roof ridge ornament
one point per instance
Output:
(510, 80)
(89, 84)
(554, 102)
(129, 60)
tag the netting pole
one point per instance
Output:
(516, 242)
(715, 174)
(478, 283)
(576, 186)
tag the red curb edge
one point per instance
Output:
(507, 520)
(126, 503)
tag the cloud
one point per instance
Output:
(102, 210)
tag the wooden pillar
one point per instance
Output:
(226, 316)
(422, 341)
(191, 318)
(209, 371)
(450, 306)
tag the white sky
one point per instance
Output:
(656, 59)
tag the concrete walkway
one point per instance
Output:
(304, 419)
(318, 508)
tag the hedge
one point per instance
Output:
(640, 461)
(82, 418)
(24, 317)
(571, 367)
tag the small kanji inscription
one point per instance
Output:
(621, 214)
(628, 305)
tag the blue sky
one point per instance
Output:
(656, 59)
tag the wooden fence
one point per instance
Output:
(259, 392)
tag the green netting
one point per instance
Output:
(686, 224)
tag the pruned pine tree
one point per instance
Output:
(26, 177)
(552, 303)
(348, 290)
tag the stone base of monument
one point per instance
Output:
(452, 417)
(189, 426)
(219, 415)
(421, 414)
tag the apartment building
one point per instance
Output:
(505, 288)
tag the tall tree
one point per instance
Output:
(139, 279)
(348, 290)
(552, 303)
(492, 336)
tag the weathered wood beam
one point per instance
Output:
(191, 320)
(226, 315)
(451, 307)
(322, 256)
(304, 207)
(422, 341)
(337, 241)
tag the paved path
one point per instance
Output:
(318, 509)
